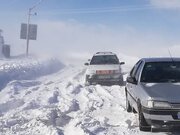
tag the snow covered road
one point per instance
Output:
(60, 104)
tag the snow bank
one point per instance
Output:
(60, 104)
(26, 68)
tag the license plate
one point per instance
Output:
(178, 115)
(104, 72)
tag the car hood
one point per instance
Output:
(104, 67)
(163, 91)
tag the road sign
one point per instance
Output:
(32, 31)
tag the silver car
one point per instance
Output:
(104, 68)
(153, 91)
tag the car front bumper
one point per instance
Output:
(162, 117)
(106, 79)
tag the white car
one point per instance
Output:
(104, 68)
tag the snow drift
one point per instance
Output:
(60, 103)
(28, 68)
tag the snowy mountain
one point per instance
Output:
(60, 103)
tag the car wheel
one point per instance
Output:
(121, 81)
(134, 111)
(143, 126)
(128, 106)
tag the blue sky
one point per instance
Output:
(129, 25)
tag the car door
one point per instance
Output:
(131, 87)
(137, 91)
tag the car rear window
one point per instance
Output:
(160, 72)
(104, 59)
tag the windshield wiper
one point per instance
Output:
(170, 80)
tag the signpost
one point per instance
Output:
(32, 31)
(29, 31)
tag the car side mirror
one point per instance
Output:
(122, 63)
(131, 80)
(86, 64)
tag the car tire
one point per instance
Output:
(134, 111)
(121, 81)
(128, 106)
(143, 126)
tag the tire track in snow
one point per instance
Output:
(97, 96)
(114, 98)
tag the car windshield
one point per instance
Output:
(104, 59)
(161, 72)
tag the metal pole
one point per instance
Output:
(27, 34)
(28, 25)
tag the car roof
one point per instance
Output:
(104, 53)
(161, 59)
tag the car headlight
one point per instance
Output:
(91, 72)
(158, 104)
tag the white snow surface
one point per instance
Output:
(26, 68)
(60, 104)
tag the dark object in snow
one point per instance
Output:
(6, 51)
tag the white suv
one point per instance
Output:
(104, 68)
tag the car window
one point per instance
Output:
(138, 71)
(161, 72)
(104, 59)
(134, 70)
